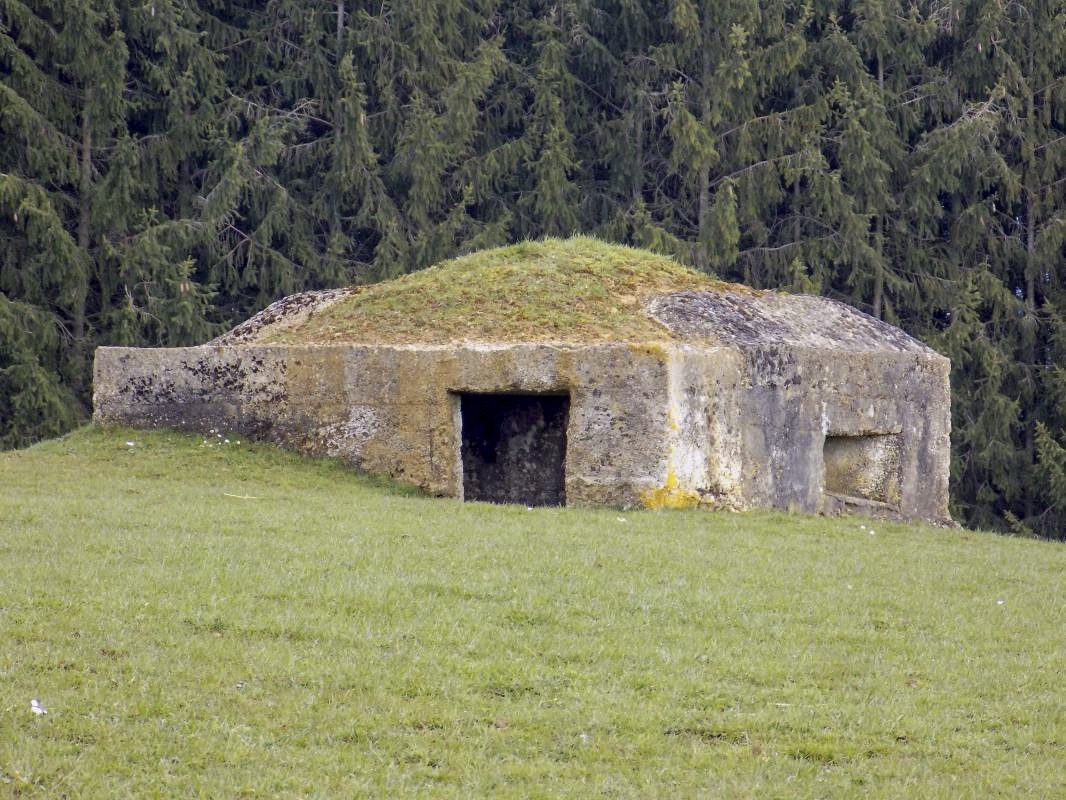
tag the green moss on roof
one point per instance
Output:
(578, 289)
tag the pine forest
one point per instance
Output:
(169, 167)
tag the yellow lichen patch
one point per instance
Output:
(671, 418)
(669, 496)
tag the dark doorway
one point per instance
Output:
(514, 448)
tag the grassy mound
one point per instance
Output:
(578, 289)
(201, 617)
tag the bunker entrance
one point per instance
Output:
(514, 448)
(864, 467)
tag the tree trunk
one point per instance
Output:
(637, 179)
(81, 291)
(879, 268)
(705, 171)
(1032, 183)
(335, 257)
(1030, 310)
(879, 223)
(185, 192)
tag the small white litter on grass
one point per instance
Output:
(1000, 602)
(37, 708)
(622, 519)
(131, 444)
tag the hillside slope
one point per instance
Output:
(203, 617)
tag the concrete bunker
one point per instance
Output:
(572, 372)
(513, 447)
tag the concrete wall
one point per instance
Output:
(395, 409)
(795, 398)
(649, 425)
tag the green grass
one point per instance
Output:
(578, 289)
(234, 621)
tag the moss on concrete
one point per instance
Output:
(578, 290)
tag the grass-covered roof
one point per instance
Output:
(578, 289)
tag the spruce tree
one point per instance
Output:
(549, 203)
(986, 192)
(735, 144)
(64, 65)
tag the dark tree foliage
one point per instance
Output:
(168, 167)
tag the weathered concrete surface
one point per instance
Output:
(796, 400)
(863, 466)
(814, 368)
(288, 312)
(750, 319)
(764, 401)
(395, 409)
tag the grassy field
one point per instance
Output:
(227, 620)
